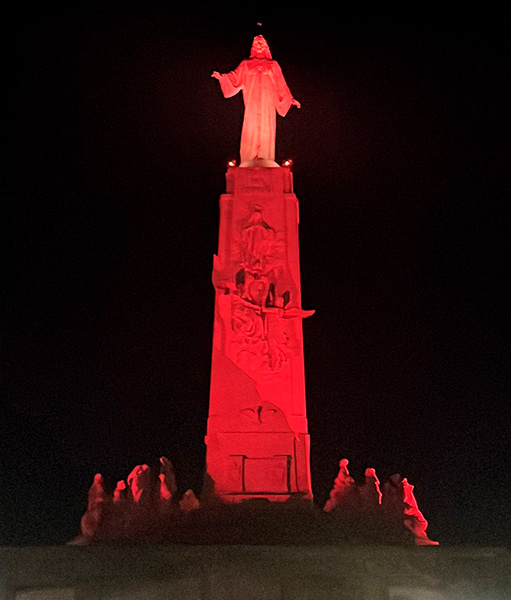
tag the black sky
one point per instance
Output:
(118, 141)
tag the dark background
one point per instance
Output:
(117, 147)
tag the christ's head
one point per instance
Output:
(260, 48)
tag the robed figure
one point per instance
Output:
(265, 92)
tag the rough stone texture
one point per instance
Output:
(325, 572)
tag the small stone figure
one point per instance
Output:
(414, 519)
(369, 491)
(265, 92)
(392, 498)
(344, 487)
(139, 481)
(120, 517)
(96, 508)
(189, 502)
(168, 487)
(120, 492)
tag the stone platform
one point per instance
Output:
(279, 572)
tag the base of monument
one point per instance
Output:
(258, 464)
(264, 496)
(149, 509)
(255, 520)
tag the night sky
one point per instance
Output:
(118, 141)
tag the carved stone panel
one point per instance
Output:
(270, 475)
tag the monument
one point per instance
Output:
(257, 474)
(254, 532)
(257, 440)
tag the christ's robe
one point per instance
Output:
(264, 92)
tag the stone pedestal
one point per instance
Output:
(257, 440)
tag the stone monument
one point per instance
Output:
(257, 486)
(257, 440)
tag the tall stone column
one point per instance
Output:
(257, 439)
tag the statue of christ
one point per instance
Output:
(264, 92)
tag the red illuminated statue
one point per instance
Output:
(257, 440)
(265, 92)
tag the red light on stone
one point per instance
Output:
(257, 438)
(165, 493)
(265, 94)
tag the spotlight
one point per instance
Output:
(231, 163)
(287, 163)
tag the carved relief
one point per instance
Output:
(259, 414)
(252, 308)
(266, 475)
(257, 245)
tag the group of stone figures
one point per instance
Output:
(394, 501)
(135, 502)
(148, 502)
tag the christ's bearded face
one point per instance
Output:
(260, 48)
